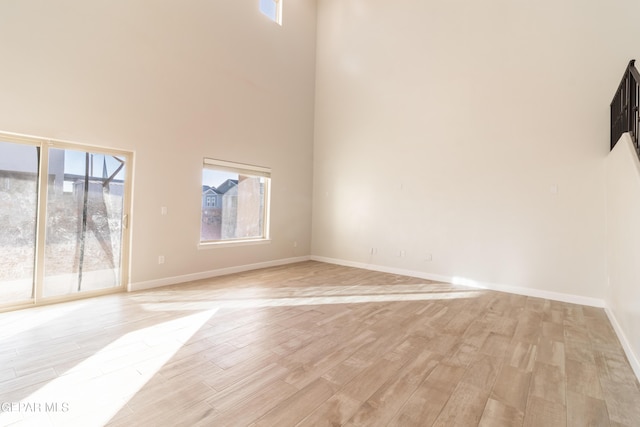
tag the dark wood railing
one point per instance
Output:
(624, 107)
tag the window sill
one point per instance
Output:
(233, 243)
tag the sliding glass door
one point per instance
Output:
(18, 208)
(84, 222)
(63, 221)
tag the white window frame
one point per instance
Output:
(245, 170)
(278, 18)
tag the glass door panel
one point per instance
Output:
(18, 211)
(84, 224)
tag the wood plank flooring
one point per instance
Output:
(314, 344)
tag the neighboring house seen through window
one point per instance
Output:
(235, 202)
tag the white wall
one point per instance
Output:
(174, 82)
(442, 128)
(623, 245)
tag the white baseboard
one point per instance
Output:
(556, 296)
(634, 361)
(149, 284)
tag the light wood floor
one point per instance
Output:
(313, 344)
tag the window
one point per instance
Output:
(63, 220)
(273, 9)
(239, 210)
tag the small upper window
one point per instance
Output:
(273, 9)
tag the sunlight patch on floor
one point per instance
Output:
(467, 282)
(19, 322)
(253, 302)
(96, 389)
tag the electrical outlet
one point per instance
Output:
(428, 257)
(402, 253)
(160, 259)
